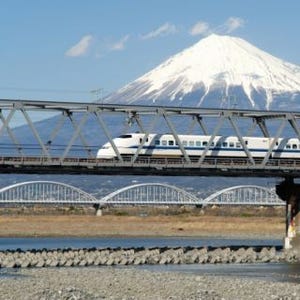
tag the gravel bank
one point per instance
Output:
(126, 283)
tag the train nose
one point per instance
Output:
(106, 153)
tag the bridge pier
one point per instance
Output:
(290, 192)
(98, 210)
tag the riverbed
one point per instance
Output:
(135, 283)
(271, 271)
(196, 281)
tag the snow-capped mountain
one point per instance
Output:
(218, 71)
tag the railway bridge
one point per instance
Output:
(67, 143)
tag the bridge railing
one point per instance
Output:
(147, 161)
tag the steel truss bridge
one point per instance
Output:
(49, 192)
(54, 149)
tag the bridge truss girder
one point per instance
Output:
(244, 195)
(164, 194)
(44, 192)
(150, 194)
(145, 118)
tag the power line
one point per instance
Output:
(44, 90)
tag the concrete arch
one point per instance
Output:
(244, 195)
(151, 193)
(45, 192)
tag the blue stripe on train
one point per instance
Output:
(215, 149)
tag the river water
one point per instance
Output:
(128, 242)
(269, 271)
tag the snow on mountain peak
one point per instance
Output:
(215, 62)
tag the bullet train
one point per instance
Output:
(164, 145)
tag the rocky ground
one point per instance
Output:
(132, 283)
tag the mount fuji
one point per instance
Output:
(218, 71)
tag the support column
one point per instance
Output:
(290, 192)
(98, 210)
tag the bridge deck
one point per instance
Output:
(151, 166)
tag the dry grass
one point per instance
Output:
(93, 226)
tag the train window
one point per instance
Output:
(157, 142)
(218, 145)
(142, 140)
(212, 144)
(164, 142)
(238, 145)
(191, 143)
(277, 143)
(225, 144)
(231, 145)
(204, 143)
(294, 146)
(288, 146)
(246, 142)
(198, 143)
(184, 143)
(125, 136)
(171, 143)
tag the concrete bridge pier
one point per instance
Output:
(98, 209)
(290, 192)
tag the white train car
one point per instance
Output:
(286, 148)
(164, 145)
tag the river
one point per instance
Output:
(128, 242)
(270, 271)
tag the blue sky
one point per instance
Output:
(62, 50)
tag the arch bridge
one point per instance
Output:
(244, 195)
(44, 192)
(151, 194)
(164, 194)
(50, 192)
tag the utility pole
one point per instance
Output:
(97, 94)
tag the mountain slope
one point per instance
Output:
(218, 71)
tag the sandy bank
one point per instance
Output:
(189, 226)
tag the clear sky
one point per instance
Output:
(64, 49)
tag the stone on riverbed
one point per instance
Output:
(141, 256)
